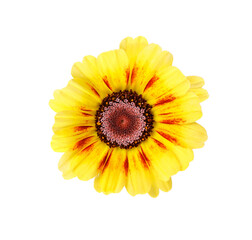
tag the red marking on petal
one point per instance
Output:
(173, 121)
(159, 144)
(105, 165)
(126, 165)
(165, 114)
(127, 75)
(86, 114)
(151, 82)
(164, 100)
(134, 73)
(86, 150)
(89, 148)
(105, 80)
(85, 109)
(94, 91)
(81, 128)
(103, 161)
(81, 143)
(168, 137)
(145, 161)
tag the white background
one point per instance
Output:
(40, 40)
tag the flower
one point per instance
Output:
(127, 118)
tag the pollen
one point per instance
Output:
(124, 119)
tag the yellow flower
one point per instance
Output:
(127, 118)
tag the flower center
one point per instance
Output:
(124, 119)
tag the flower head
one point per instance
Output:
(127, 118)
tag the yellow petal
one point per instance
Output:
(133, 47)
(185, 109)
(112, 176)
(72, 96)
(61, 143)
(65, 163)
(114, 69)
(64, 142)
(162, 185)
(71, 127)
(201, 93)
(165, 86)
(72, 118)
(150, 60)
(163, 162)
(166, 60)
(190, 135)
(196, 87)
(183, 155)
(195, 81)
(154, 191)
(86, 74)
(165, 186)
(138, 173)
(86, 163)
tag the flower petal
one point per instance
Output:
(201, 93)
(71, 96)
(114, 69)
(133, 47)
(72, 118)
(138, 173)
(163, 162)
(154, 191)
(196, 82)
(61, 143)
(165, 186)
(183, 155)
(166, 86)
(65, 163)
(71, 127)
(185, 109)
(190, 135)
(112, 176)
(85, 164)
(86, 74)
(148, 62)
(196, 87)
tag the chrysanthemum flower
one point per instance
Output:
(127, 118)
